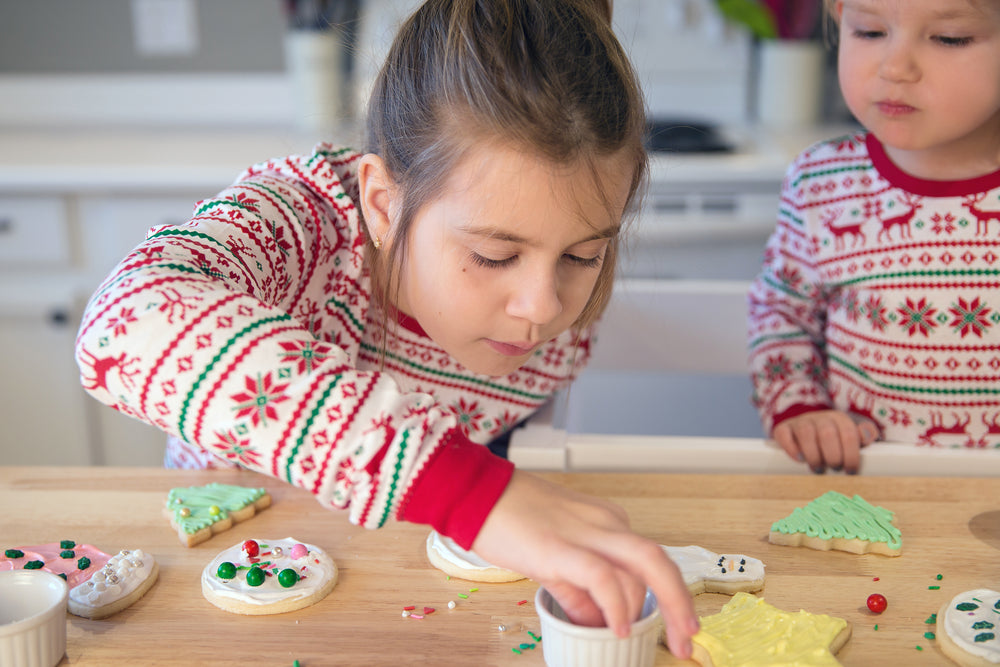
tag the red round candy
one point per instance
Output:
(251, 548)
(877, 603)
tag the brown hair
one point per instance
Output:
(546, 75)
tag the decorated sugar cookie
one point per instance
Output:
(749, 632)
(968, 628)
(835, 521)
(455, 561)
(99, 584)
(198, 512)
(258, 577)
(705, 571)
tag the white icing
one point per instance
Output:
(699, 564)
(121, 575)
(958, 624)
(315, 570)
(456, 555)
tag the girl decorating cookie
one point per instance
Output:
(363, 324)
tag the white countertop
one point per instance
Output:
(101, 158)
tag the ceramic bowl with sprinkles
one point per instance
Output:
(566, 644)
(32, 618)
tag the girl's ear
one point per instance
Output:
(376, 189)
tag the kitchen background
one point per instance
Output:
(117, 115)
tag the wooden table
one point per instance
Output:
(950, 527)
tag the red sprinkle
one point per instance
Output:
(417, 616)
(874, 578)
(522, 602)
(428, 610)
(409, 608)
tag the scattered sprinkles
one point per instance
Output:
(928, 635)
(451, 604)
(933, 588)
(931, 619)
(522, 602)
(537, 638)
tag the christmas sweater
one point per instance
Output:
(249, 332)
(880, 296)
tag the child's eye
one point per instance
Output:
(953, 41)
(868, 34)
(492, 263)
(586, 262)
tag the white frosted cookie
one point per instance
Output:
(99, 584)
(705, 571)
(455, 561)
(968, 628)
(258, 577)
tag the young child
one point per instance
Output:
(877, 313)
(363, 325)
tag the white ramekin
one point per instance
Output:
(568, 645)
(32, 618)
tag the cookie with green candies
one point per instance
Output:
(968, 628)
(262, 576)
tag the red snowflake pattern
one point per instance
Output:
(970, 317)
(304, 354)
(118, 323)
(235, 449)
(917, 317)
(469, 415)
(258, 401)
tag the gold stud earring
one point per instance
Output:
(377, 242)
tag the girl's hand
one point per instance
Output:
(826, 439)
(582, 551)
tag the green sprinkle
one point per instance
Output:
(67, 544)
(984, 637)
(537, 638)
(34, 565)
(13, 553)
(966, 606)
(67, 553)
(939, 577)
(982, 625)
(63, 575)
(295, 664)
(473, 590)
(516, 650)
(919, 647)
(83, 563)
(931, 619)
(463, 596)
(928, 635)
(876, 627)
(933, 588)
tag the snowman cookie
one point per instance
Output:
(705, 571)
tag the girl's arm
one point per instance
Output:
(239, 331)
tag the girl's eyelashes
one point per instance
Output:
(585, 262)
(953, 41)
(867, 34)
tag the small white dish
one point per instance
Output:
(32, 618)
(565, 644)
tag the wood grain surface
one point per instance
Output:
(950, 527)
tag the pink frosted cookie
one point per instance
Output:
(100, 585)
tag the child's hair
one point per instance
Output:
(548, 76)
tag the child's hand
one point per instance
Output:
(582, 551)
(826, 439)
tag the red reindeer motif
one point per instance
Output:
(982, 217)
(903, 221)
(992, 428)
(100, 367)
(863, 407)
(854, 229)
(937, 428)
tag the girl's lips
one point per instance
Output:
(891, 108)
(511, 349)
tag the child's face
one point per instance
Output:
(507, 258)
(923, 75)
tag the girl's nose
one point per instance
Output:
(899, 63)
(535, 298)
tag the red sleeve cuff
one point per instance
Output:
(796, 410)
(457, 489)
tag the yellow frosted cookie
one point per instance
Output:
(835, 521)
(749, 632)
